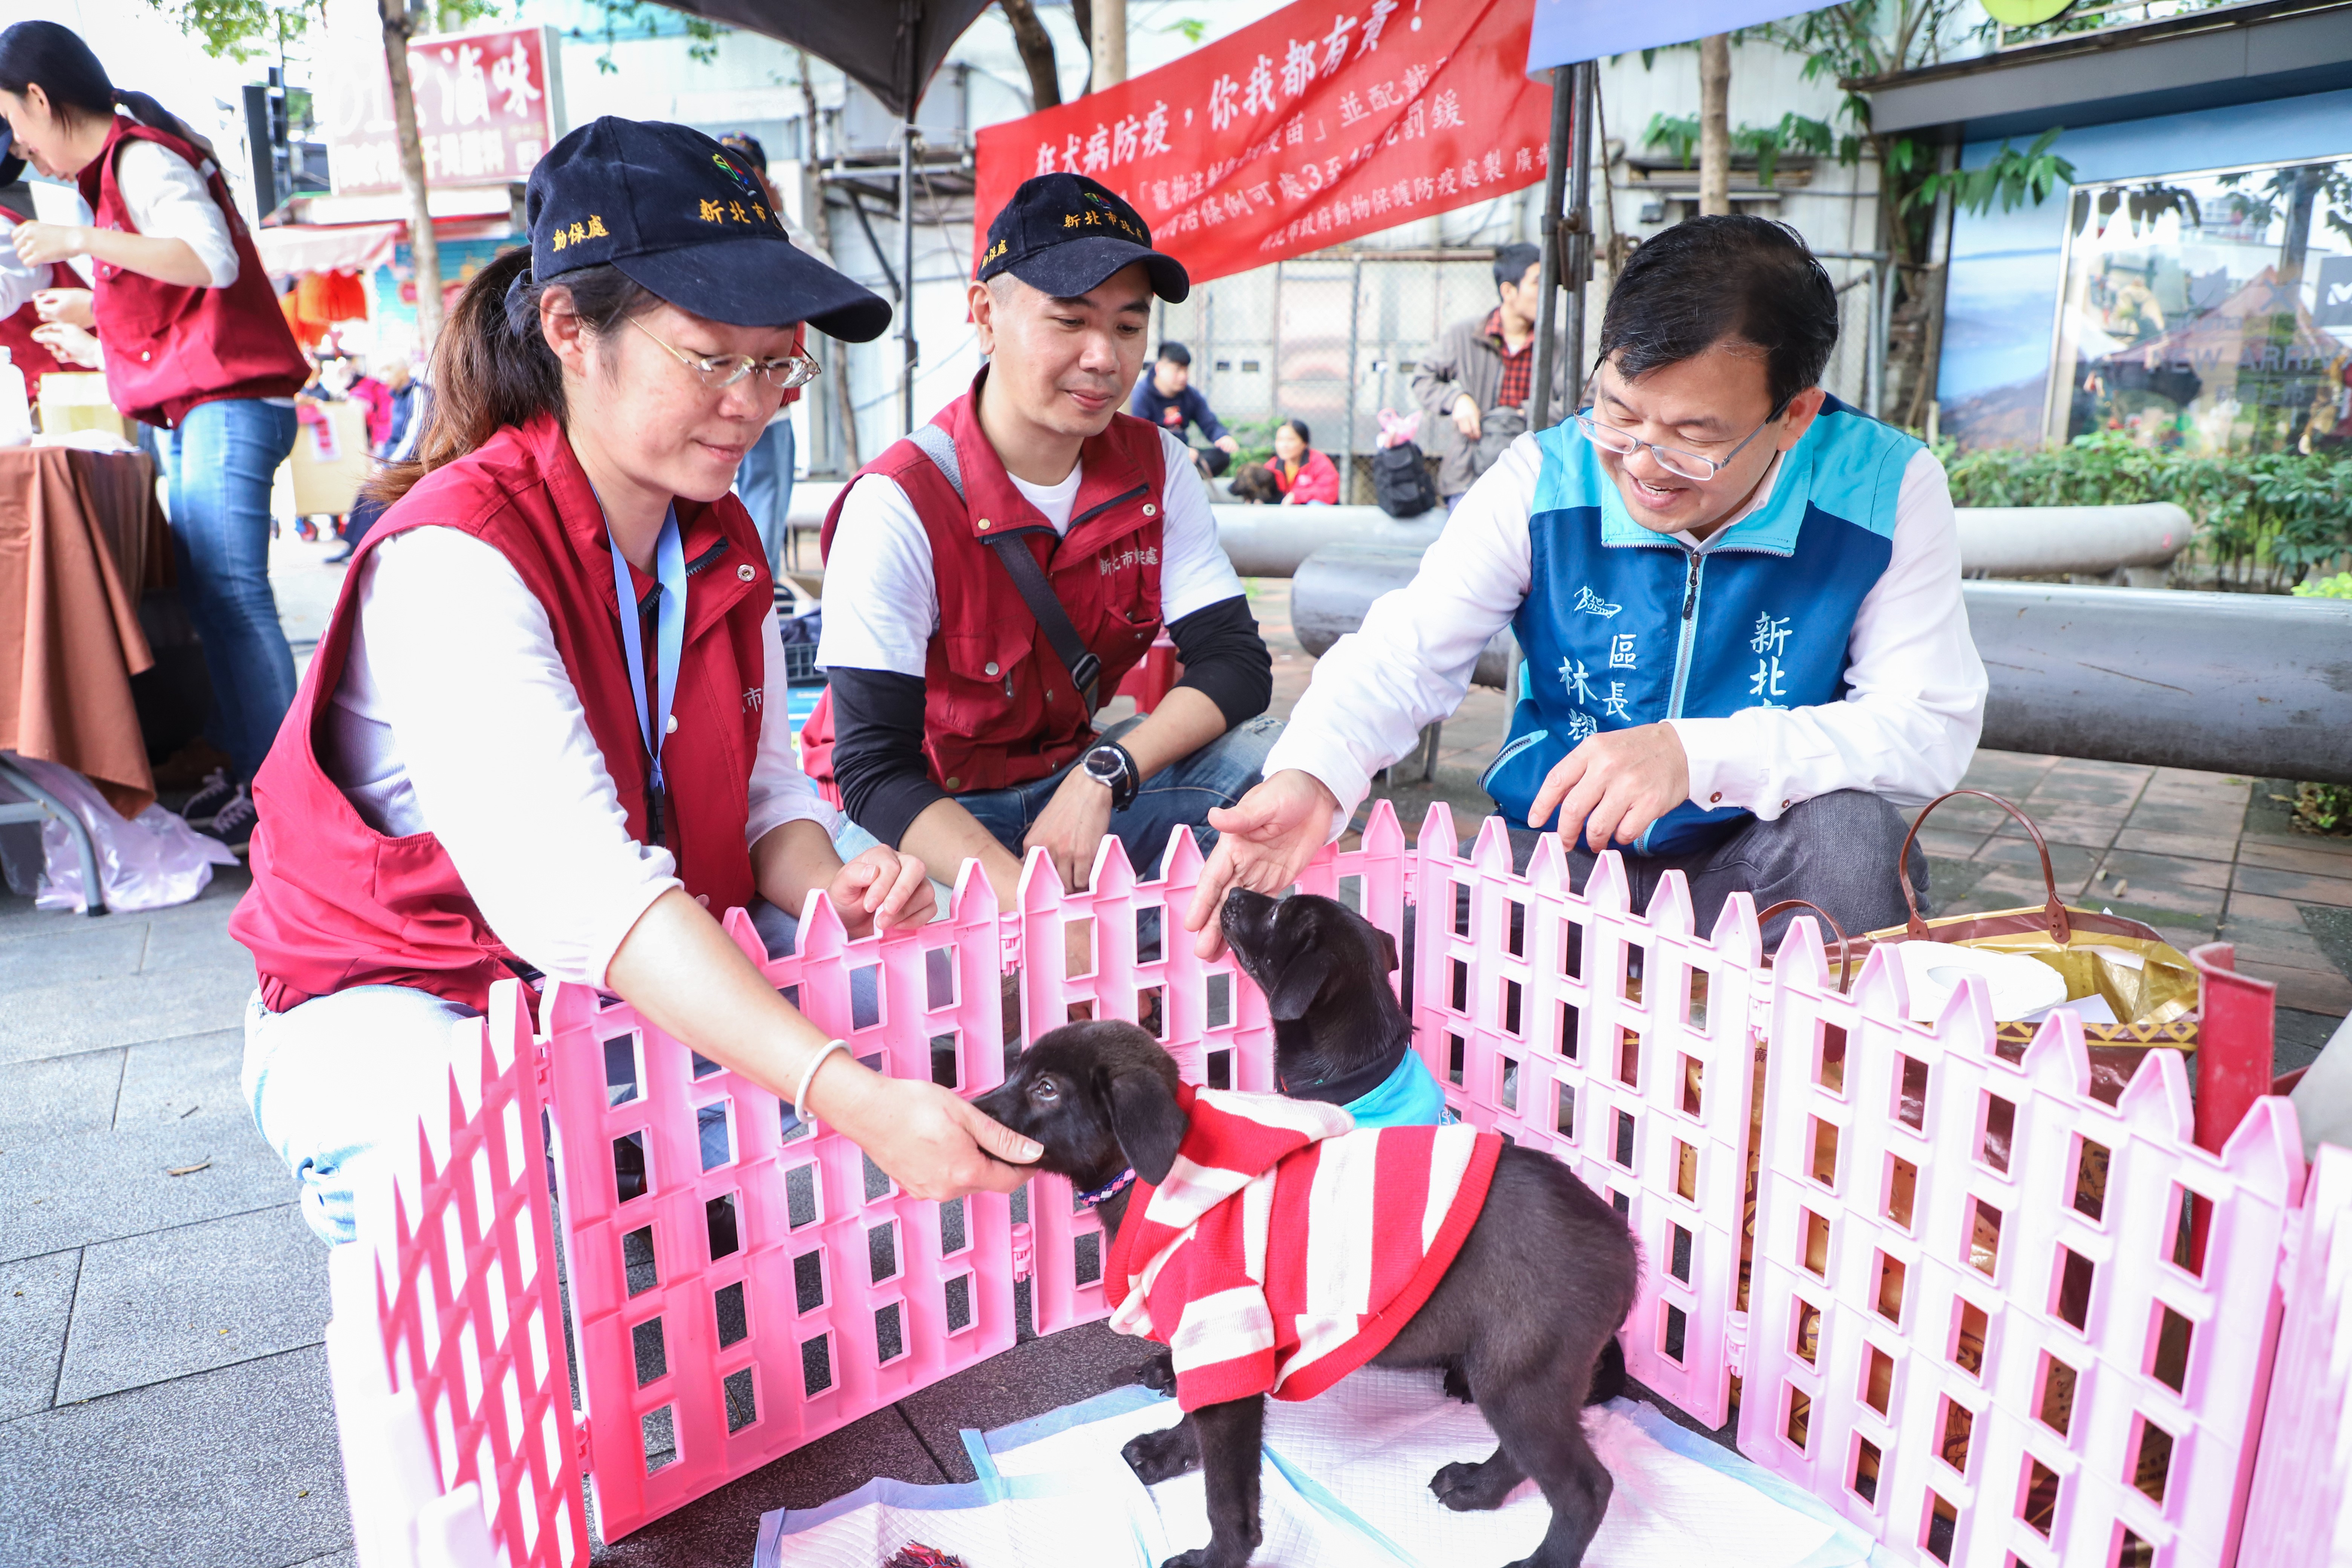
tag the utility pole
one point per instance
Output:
(1715, 123)
(820, 223)
(1109, 43)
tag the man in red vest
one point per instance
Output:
(989, 580)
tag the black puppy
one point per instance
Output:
(1545, 1275)
(1339, 1031)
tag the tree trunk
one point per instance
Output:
(1082, 12)
(2303, 200)
(1037, 46)
(424, 249)
(1715, 123)
(821, 224)
(1109, 43)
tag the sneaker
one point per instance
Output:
(215, 791)
(340, 555)
(233, 824)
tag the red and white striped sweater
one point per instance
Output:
(1285, 1248)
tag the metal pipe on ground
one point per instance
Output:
(2244, 683)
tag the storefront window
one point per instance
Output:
(2210, 312)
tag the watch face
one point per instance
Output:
(1104, 765)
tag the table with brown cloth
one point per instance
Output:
(81, 537)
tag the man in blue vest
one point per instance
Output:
(1739, 602)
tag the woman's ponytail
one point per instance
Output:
(149, 112)
(492, 367)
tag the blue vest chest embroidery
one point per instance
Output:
(1622, 627)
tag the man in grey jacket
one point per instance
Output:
(1482, 364)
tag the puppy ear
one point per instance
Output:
(1148, 1121)
(1388, 949)
(1296, 989)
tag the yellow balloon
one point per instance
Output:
(2025, 13)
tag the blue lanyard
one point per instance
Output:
(669, 567)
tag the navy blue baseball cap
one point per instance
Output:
(690, 221)
(1065, 233)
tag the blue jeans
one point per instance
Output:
(220, 460)
(1182, 793)
(765, 484)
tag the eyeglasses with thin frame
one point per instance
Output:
(1690, 465)
(720, 371)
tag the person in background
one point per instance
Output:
(20, 319)
(195, 342)
(366, 389)
(764, 482)
(406, 403)
(1482, 364)
(1304, 476)
(1167, 397)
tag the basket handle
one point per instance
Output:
(2061, 928)
(1846, 964)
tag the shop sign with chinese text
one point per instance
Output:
(1318, 124)
(487, 105)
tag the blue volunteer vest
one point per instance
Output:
(1623, 626)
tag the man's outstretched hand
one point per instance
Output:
(1266, 840)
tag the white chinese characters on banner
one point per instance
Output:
(486, 111)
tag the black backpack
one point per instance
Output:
(1401, 480)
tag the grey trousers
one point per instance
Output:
(1837, 850)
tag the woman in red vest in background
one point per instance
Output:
(545, 734)
(193, 343)
(20, 282)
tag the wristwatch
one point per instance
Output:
(1107, 764)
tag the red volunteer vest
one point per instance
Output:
(169, 348)
(998, 705)
(17, 330)
(336, 904)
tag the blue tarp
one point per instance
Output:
(1567, 31)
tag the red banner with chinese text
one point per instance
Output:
(1319, 123)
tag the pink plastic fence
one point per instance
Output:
(447, 1346)
(2060, 1356)
(2300, 1515)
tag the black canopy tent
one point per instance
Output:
(891, 50)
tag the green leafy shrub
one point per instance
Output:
(2323, 808)
(2337, 587)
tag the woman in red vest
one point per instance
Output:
(545, 734)
(193, 343)
(19, 282)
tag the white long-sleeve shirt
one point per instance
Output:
(166, 198)
(1905, 729)
(455, 715)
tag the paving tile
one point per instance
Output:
(2157, 902)
(2191, 779)
(2135, 866)
(722, 1528)
(98, 1186)
(194, 944)
(2255, 908)
(57, 1095)
(35, 1303)
(2272, 944)
(2299, 1037)
(2070, 863)
(1028, 1380)
(233, 1468)
(1952, 844)
(2295, 886)
(2064, 785)
(2221, 823)
(2218, 848)
(165, 1082)
(2309, 990)
(2317, 857)
(194, 1297)
(51, 1020)
(2094, 826)
(86, 950)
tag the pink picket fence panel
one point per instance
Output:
(1980, 1322)
(447, 1346)
(2300, 1513)
(741, 1284)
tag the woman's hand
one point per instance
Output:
(40, 243)
(931, 1140)
(71, 306)
(70, 342)
(882, 890)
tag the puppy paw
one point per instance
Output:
(1467, 1488)
(1159, 1374)
(1458, 1385)
(1156, 1457)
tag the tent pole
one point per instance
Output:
(907, 271)
(1539, 408)
(1578, 243)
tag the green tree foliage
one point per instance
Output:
(2015, 179)
(1765, 144)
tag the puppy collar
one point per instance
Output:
(1109, 1190)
